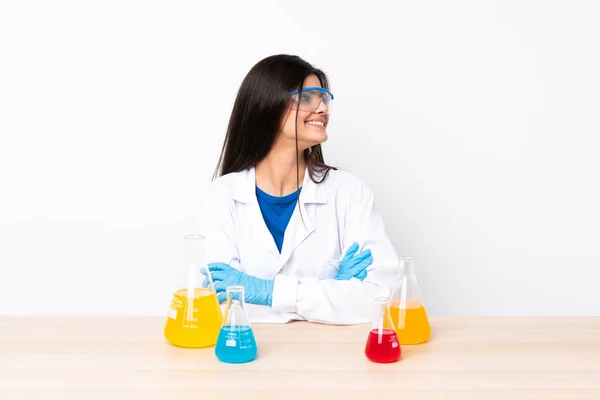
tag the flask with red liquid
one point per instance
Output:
(382, 344)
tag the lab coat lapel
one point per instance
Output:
(301, 224)
(297, 230)
(260, 231)
(245, 192)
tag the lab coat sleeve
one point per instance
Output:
(352, 301)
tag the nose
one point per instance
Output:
(322, 108)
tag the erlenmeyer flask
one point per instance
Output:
(194, 317)
(407, 308)
(236, 343)
(382, 344)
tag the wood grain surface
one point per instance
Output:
(466, 358)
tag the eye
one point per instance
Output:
(306, 97)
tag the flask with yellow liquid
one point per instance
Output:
(194, 318)
(407, 308)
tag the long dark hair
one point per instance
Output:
(257, 115)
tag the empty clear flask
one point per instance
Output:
(407, 308)
(194, 317)
(236, 343)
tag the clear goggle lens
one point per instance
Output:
(315, 100)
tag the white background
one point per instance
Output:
(476, 123)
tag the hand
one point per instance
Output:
(256, 290)
(354, 265)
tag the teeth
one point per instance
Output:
(319, 123)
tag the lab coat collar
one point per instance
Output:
(244, 189)
(299, 227)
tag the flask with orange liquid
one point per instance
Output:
(194, 317)
(407, 308)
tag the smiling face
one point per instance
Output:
(311, 124)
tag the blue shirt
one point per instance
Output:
(276, 212)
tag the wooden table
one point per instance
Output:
(467, 358)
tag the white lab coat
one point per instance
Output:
(335, 213)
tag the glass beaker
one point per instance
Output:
(194, 317)
(236, 343)
(407, 308)
(382, 344)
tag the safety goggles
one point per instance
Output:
(310, 99)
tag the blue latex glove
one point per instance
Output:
(256, 290)
(354, 265)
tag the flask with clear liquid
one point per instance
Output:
(194, 317)
(407, 308)
(382, 343)
(236, 343)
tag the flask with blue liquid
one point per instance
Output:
(236, 343)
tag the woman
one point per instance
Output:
(277, 212)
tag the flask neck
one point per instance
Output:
(384, 320)
(235, 296)
(407, 266)
(194, 249)
(193, 270)
(235, 312)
